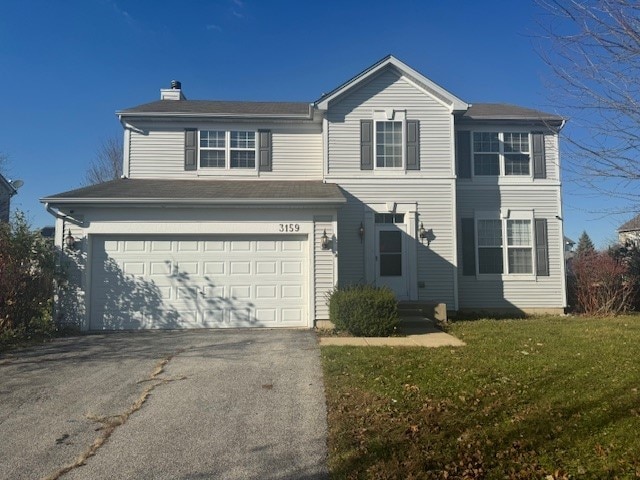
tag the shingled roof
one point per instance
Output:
(631, 225)
(504, 111)
(139, 190)
(220, 108)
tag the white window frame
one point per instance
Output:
(505, 216)
(382, 116)
(227, 151)
(502, 155)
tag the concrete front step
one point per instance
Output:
(434, 311)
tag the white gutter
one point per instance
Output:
(58, 214)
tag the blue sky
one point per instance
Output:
(67, 66)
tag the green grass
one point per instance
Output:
(530, 398)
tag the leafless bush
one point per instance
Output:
(603, 285)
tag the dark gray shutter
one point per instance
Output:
(468, 240)
(366, 144)
(190, 148)
(539, 160)
(463, 154)
(413, 145)
(264, 150)
(542, 247)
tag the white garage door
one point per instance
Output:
(187, 282)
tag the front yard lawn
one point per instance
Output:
(535, 398)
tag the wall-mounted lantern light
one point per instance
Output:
(422, 233)
(70, 242)
(324, 240)
(361, 232)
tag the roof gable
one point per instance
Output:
(631, 225)
(390, 62)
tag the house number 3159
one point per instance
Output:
(289, 227)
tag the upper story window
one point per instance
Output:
(501, 153)
(389, 144)
(227, 149)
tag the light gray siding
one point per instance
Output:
(552, 156)
(435, 207)
(159, 152)
(540, 292)
(324, 266)
(389, 91)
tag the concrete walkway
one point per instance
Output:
(419, 331)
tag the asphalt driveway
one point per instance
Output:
(217, 404)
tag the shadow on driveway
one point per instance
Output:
(227, 404)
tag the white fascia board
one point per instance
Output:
(454, 102)
(451, 100)
(307, 116)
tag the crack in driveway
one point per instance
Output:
(111, 422)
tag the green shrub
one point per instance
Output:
(364, 310)
(27, 275)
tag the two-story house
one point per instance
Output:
(248, 213)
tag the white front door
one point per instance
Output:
(391, 258)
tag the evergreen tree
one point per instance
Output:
(585, 245)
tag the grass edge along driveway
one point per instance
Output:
(546, 397)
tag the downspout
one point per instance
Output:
(128, 128)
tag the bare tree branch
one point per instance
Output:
(593, 50)
(107, 165)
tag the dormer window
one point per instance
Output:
(227, 149)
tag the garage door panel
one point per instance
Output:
(266, 246)
(172, 282)
(292, 246)
(214, 268)
(292, 315)
(240, 268)
(266, 292)
(187, 246)
(160, 268)
(240, 246)
(240, 292)
(160, 246)
(188, 268)
(291, 267)
(266, 268)
(134, 246)
(214, 317)
(291, 292)
(133, 268)
(214, 246)
(242, 317)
